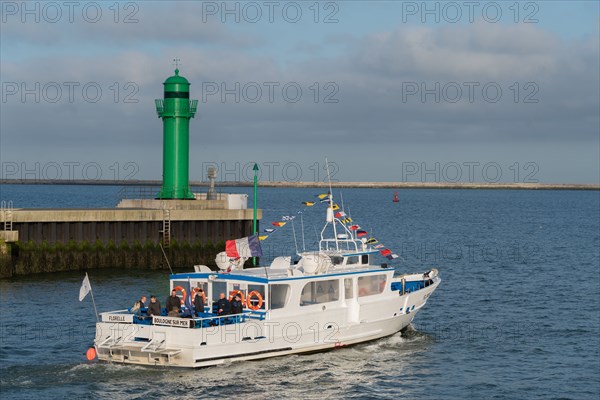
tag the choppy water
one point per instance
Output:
(517, 314)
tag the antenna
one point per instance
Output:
(328, 178)
(294, 231)
(352, 233)
(302, 225)
(337, 247)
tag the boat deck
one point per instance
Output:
(260, 275)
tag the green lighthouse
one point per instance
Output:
(176, 110)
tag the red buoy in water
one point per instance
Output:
(91, 354)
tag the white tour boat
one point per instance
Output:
(330, 298)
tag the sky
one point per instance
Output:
(402, 91)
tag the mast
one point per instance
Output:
(302, 225)
(330, 216)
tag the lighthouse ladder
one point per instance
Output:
(166, 231)
(8, 215)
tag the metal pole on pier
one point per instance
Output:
(254, 224)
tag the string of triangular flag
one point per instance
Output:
(323, 198)
(341, 216)
(346, 219)
(383, 250)
(278, 225)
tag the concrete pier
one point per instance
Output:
(135, 221)
(127, 225)
(128, 236)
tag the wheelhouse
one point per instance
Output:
(265, 291)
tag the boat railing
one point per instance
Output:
(154, 345)
(110, 340)
(213, 320)
(411, 283)
(203, 320)
(344, 236)
(332, 244)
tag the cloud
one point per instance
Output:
(368, 75)
(135, 23)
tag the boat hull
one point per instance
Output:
(319, 328)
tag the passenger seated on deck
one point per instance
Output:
(199, 302)
(173, 301)
(223, 305)
(174, 312)
(236, 305)
(154, 307)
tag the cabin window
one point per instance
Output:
(279, 296)
(200, 284)
(370, 285)
(217, 289)
(261, 290)
(365, 259)
(318, 292)
(348, 286)
(337, 260)
(352, 260)
(184, 285)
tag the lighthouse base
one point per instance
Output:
(175, 194)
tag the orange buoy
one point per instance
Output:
(250, 300)
(91, 354)
(193, 295)
(182, 290)
(239, 293)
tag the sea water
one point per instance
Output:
(517, 314)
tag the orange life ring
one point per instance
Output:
(196, 290)
(183, 292)
(258, 296)
(239, 292)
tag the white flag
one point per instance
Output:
(85, 288)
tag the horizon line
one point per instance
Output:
(312, 184)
